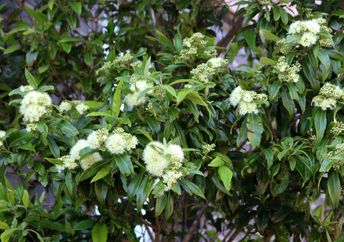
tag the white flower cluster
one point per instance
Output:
(119, 142)
(193, 47)
(337, 156)
(165, 161)
(308, 32)
(2, 137)
(206, 71)
(95, 140)
(338, 128)
(109, 67)
(66, 106)
(89, 160)
(34, 106)
(139, 88)
(247, 101)
(68, 163)
(286, 72)
(328, 96)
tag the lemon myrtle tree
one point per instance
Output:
(173, 140)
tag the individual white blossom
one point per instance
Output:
(247, 101)
(309, 32)
(175, 153)
(299, 27)
(155, 159)
(89, 160)
(217, 62)
(34, 106)
(171, 177)
(26, 88)
(30, 127)
(286, 72)
(308, 39)
(2, 134)
(119, 142)
(139, 88)
(96, 139)
(135, 99)
(81, 108)
(65, 106)
(328, 96)
(2, 137)
(158, 157)
(75, 150)
(203, 73)
(68, 163)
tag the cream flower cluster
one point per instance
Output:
(66, 106)
(95, 140)
(328, 96)
(2, 137)
(119, 142)
(87, 161)
(139, 88)
(121, 61)
(34, 106)
(165, 161)
(206, 71)
(337, 156)
(286, 72)
(338, 128)
(308, 32)
(247, 101)
(194, 46)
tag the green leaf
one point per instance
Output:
(216, 162)
(88, 59)
(124, 164)
(254, 129)
(31, 79)
(334, 189)
(53, 147)
(26, 199)
(196, 98)
(320, 122)
(268, 35)
(76, 6)
(267, 61)
(160, 204)
(12, 49)
(6, 235)
(191, 188)
(116, 100)
(101, 173)
(182, 95)
(3, 225)
(250, 37)
(99, 232)
(226, 175)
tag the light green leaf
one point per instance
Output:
(26, 199)
(99, 232)
(226, 175)
(101, 173)
(216, 162)
(116, 100)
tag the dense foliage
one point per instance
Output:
(142, 127)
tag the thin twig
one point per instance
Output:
(195, 223)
